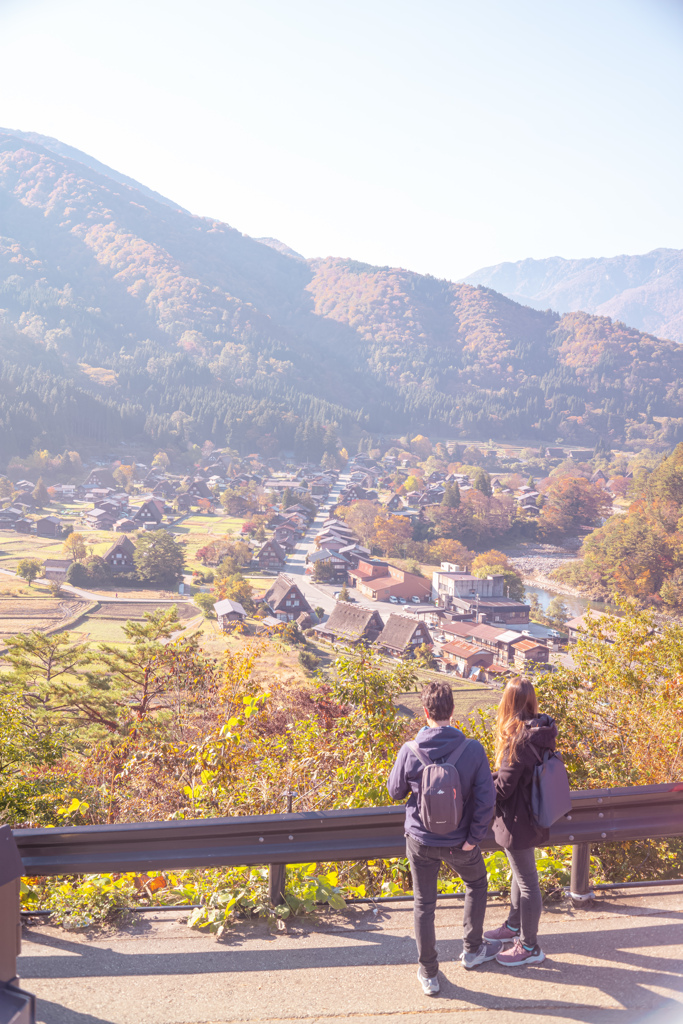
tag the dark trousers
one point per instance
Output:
(425, 862)
(526, 901)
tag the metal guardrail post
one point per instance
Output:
(579, 886)
(15, 1006)
(276, 883)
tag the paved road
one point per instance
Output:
(620, 963)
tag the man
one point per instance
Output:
(437, 741)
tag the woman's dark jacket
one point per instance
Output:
(513, 826)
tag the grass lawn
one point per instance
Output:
(100, 631)
(198, 530)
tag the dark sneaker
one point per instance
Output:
(430, 986)
(488, 950)
(503, 934)
(518, 956)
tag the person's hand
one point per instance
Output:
(468, 846)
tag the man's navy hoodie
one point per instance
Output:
(479, 798)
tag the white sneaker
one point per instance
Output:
(430, 986)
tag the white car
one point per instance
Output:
(393, 599)
(415, 600)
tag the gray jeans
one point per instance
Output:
(525, 897)
(425, 862)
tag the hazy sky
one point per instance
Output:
(439, 136)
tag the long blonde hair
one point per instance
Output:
(517, 706)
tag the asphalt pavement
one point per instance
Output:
(620, 962)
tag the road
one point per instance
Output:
(619, 962)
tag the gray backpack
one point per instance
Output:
(551, 796)
(439, 798)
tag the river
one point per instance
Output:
(576, 605)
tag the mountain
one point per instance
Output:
(645, 291)
(124, 318)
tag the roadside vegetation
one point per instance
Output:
(160, 728)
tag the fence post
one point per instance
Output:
(276, 883)
(579, 886)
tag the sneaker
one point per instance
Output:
(503, 934)
(430, 986)
(488, 950)
(519, 955)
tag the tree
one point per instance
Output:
(481, 481)
(392, 533)
(361, 516)
(451, 496)
(153, 673)
(443, 550)
(77, 575)
(74, 545)
(125, 475)
(29, 569)
(319, 611)
(572, 502)
(51, 675)
(344, 593)
(158, 557)
(323, 572)
(495, 563)
(288, 498)
(205, 603)
(237, 589)
(161, 461)
(40, 493)
(557, 614)
(99, 571)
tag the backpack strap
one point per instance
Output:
(454, 755)
(419, 754)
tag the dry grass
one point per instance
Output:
(125, 610)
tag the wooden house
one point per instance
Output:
(351, 625)
(149, 512)
(119, 557)
(228, 613)
(402, 635)
(285, 600)
(271, 556)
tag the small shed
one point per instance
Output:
(228, 612)
(49, 526)
(56, 568)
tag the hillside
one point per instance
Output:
(125, 318)
(645, 291)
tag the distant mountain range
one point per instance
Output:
(643, 291)
(124, 318)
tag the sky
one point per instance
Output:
(437, 136)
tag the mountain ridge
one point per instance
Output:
(127, 318)
(645, 290)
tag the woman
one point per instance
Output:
(522, 736)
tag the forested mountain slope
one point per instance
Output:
(124, 317)
(645, 291)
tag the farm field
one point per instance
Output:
(198, 530)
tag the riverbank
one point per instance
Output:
(536, 562)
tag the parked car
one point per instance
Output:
(393, 599)
(402, 600)
(415, 600)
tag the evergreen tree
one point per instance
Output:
(451, 496)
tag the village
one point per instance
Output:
(282, 530)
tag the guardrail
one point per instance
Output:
(597, 816)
